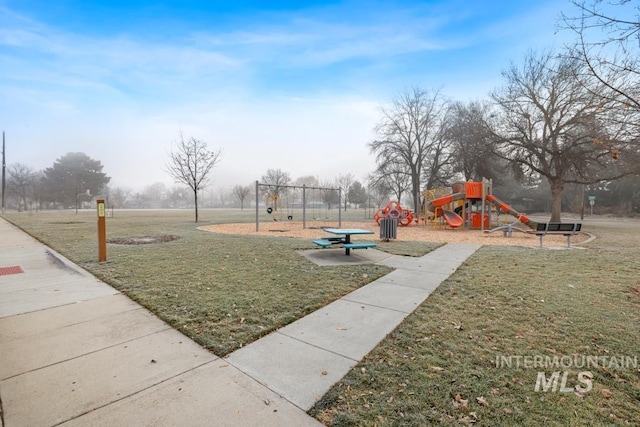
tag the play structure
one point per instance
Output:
(469, 204)
(465, 204)
(393, 210)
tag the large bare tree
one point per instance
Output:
(551, 125)
(411, 134)
(608, 43)
(473, 148)
(190, 163)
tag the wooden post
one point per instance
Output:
(102, 231)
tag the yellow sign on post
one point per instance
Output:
(102, 232)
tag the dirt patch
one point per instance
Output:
(67, 222)
(410, 233)
(142, 240)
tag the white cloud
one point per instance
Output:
(273, 93)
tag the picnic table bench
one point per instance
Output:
(343, 237)
(567, 229)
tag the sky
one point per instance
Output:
(290, 85)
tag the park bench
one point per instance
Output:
(558, 228)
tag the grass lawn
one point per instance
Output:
(438, 367)
(223, 291)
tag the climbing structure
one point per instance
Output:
(395, 211)
(469, 204)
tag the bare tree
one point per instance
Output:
(20, 183)
(331, 196)
(608, 43)
(119, 196)
(276, 178)
(377, 191)
(277, 181)
(473, 146)
(308, 180)
(550, 125)
(343, 182)
(393, 177)
(190, 163)
(241, 192)
(411, 134)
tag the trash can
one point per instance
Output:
(388, 228)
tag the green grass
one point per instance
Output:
(439, 366)
(440, 363)
(224, 291)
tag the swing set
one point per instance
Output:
(275, 198)
(273, 202)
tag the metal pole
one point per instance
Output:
(582, 209)
(304, 206)
(4, 167)
(484, 194)
(257, 222)
(339, 209)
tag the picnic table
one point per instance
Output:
(343, 237)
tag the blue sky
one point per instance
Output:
(278, 84)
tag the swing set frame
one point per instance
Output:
(274, 193)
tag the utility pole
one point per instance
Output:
(582, 210)
(4, 168)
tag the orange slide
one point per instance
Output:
(452, 219)
(506, 208)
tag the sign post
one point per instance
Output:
(102, 231)
(592, 201)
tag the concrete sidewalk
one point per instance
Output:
(301, 361)
(73, 351)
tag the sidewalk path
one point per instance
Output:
(301, 361)
(75, 352)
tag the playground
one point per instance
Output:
(467, 212)
(228, 289)
(414, 233)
